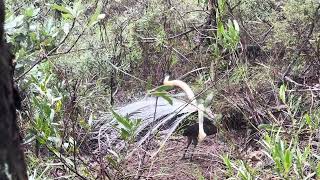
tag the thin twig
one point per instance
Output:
(65, 163)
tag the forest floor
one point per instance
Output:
(207, 159)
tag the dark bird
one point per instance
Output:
(196, 132)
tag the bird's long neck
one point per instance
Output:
(201, 134)
(184, 86)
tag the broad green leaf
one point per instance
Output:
(123, 121)
(165, 96)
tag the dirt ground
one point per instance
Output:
(168, 164)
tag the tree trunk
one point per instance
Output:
(12, 165)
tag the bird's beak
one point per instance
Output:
(201, 136)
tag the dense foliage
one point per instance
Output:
(76, 60)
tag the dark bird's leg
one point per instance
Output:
(195, 143)
(185, 151)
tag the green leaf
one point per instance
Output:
(94, 17)
(124, 134)
(287, 161)
(221, 30)
(307, 119)
(97, 16)
(227, 162)
(306, 152)
(278, 163)
(123, 121)
(67, 16)
(61, 8)
(282, 93)
(318, 170)
(112, 161)
(30, 12)
(163, 88)
(221, 6)
(270, 127)
(266, 126)
(165, 96)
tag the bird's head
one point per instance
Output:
(201, 136)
